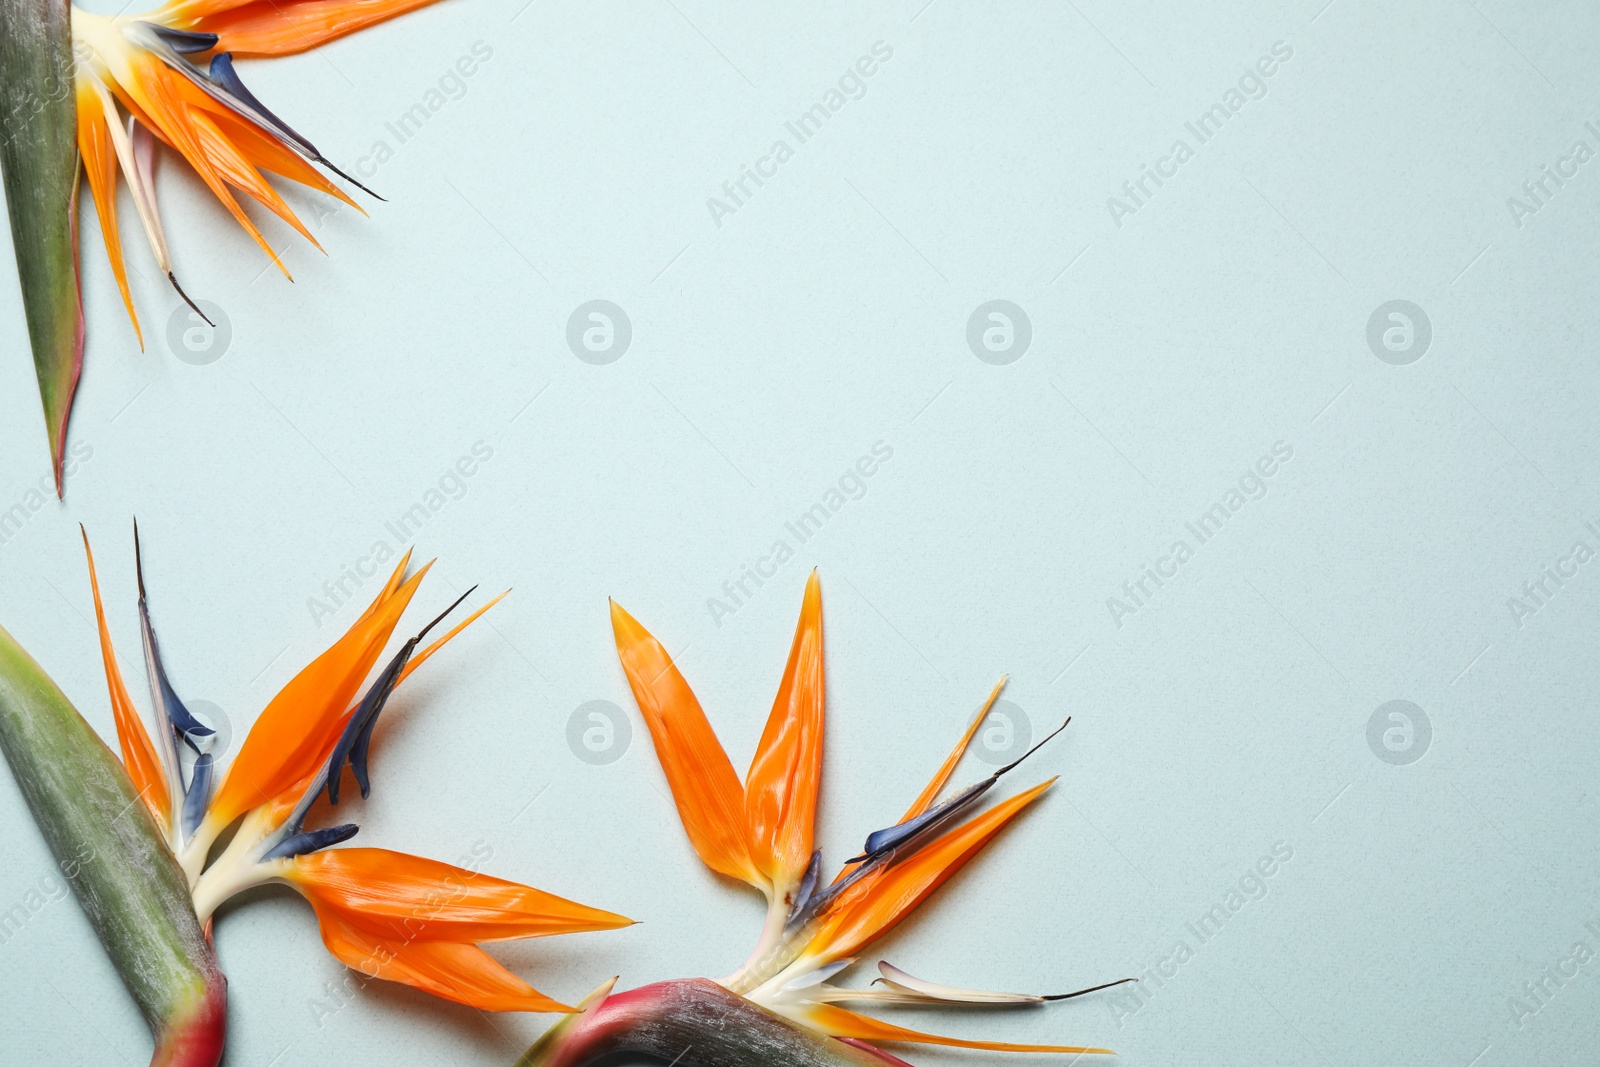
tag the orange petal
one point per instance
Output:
(100, 163)
(169, 102)
(183, 14)
(293, 735)
(931, 793)
(398, 897)
(138, 753)
(872, 907)
(390, 587)
(274, 28)
(707, 791)
(236, 170)
(781, 789)
(266, 152)
(422, 657)
(941, 777)
(463, 973)
(842, 1022)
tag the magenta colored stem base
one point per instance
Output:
(692, 1023)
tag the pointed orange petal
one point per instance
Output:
(167, 101)
(267, 153)
(931, 793)
(293, 734)
(872, 907)
(183, 14)
(842, 1022)
(396, 578)
(223, 155)
(707, 791)
(138, 753)
(463, 973)
(400, 897)
(275, 28)
(941, 777)
(781, 789)
(100, 164)
(422, 657)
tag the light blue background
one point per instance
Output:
(828, 313)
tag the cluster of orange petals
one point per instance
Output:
(761, 831)
(417, 921)
(387, 914)
(227, 150)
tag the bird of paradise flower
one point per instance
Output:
(387, 914)
(166, 76)
(761, 831)
(137, 82)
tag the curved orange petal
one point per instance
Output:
(100, 164)
(463, 973)
(396, 578)
(399, 897)
(872, 907)
(274, 28)
(707, 791)
(267, 153)
(292, 736)
(931, 792)
(138, 753)
(224, 156)
(215, 126)
(842, 1022)
(182, 14)
(936, 785)
(422, 657)
(167, 101)
(781, 789)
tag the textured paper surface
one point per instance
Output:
(1234, 713)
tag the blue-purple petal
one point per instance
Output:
(171, 708)
(198, 795)
(185, 42)
(357, 735)
(311, 841)
(225, 77)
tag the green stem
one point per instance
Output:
(110, 849)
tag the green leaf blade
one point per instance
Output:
(107, 844)
(39, 164)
